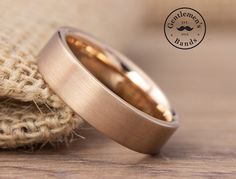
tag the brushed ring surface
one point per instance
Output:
(65, 64)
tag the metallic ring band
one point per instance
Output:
(107, 90)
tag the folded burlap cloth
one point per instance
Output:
(29, 111)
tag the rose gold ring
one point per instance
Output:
(107, 90)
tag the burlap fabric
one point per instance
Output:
(29, 111)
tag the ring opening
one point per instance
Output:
(114, 76)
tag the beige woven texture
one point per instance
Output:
(29, 111)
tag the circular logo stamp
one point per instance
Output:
(185, 28)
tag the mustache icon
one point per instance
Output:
(181, 28)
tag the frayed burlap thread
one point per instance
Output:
(29, 111)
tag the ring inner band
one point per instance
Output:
(115, 77)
